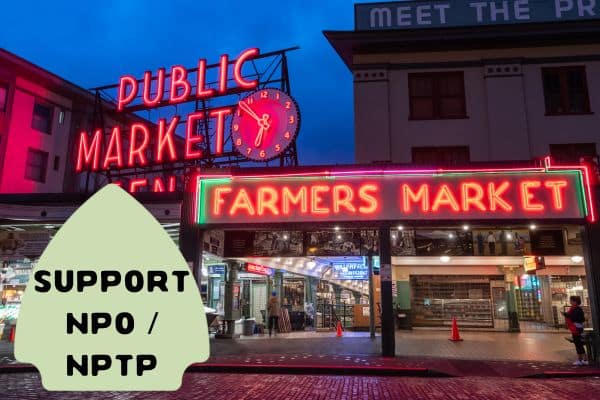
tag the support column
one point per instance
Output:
(228, 320)
(371, 295)
(511, 300)
(357, 297)
(591, 249)
(388, 338)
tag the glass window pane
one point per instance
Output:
(42, 117)
(451, 85)
(36, 165)
(576, 83)
(452, 107)
(421, 86)
(3, 97)
(422, 108)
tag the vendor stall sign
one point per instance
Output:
(386, 194)
(350, 271)
(259, 269)
(438, 14)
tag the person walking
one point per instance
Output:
(575, 319)
(273, 309)
(491, 241)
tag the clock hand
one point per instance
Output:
(259, 136)
(250, 111)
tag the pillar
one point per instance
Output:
(388, 339)
(357, 297)
(371, 295)
(511, 300)
(228, 320)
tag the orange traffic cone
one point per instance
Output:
(11, 338)
(339, 329)
(455, 337)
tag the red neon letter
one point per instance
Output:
(138, 151)
(165, 139)
(219, 200)
(557, 194)
(242, 202)
(124, 97)
(114, 149)
(190, 138)
(237, 69)
(160, 88)
(267, 200)
(287, 198)
(134, 184)
(179, 80)
(409, 196)
(223, 73)
(367, 194)
(159, 186)
(445, 197)
(342, 197)
(220, 131)
(472, 199)
(89, 153)
(201, 91)
(527, 196)
(316, 199)
(496, 199)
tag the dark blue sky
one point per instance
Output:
(93, 43)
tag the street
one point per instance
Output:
(19, 386)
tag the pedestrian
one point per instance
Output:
(575, 319)
(480, 244)
(491, 241)
(273, 309)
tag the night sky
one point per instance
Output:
(93, 43)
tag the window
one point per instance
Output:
(56, 163)
(439, 95)
(37, 163)
(565, 90)
(445, 156)
(572, 152)
(3, 97)
(42, 118)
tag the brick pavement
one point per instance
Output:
(305, 387)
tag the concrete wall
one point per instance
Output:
(504, 100)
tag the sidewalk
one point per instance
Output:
(418, 353)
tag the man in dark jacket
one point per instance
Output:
(575, 319)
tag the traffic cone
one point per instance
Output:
(455, 337)
(11, 338)
(339, 329)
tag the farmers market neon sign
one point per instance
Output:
(371, 195)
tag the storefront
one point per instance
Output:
(496, 248)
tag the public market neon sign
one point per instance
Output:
(542, 193)
(157, 144)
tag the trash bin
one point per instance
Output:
(249, 326)
(590, 341)
(403, 319)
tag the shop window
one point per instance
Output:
(439, 95)
(566, 91)
(441, 156)
(3, 97)
(573, 152)
(42, 118)
(36, 165)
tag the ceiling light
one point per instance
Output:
(311, 264)
(451, 235)
(339, 237)
(509, 236)
(285, 237)
(465, 227)
(576, 259)
(337, 228)
(445, 259)
(49, 226)
(533, 227)
(394, 236)
(400, 227)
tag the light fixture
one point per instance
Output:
(576, 259)
(400, 227)
(339, 237)
(278, 259)
(465, 227)
(451, 236)
(445, 259)
(394, 236)
(285, 237)
(311, 264)
(509, 236)
(532, 227)
(336, 228)
(49, 226)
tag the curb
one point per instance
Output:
(565, 374)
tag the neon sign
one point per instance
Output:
(259, 269)
(372, 195)
(143, 144)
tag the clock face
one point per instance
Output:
(264, 124)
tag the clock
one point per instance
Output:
(265, 123)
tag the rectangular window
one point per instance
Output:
(572, 152)
(441, 156)
(42, 118)
(56, 163)
(36, 165)
(565, 90)
(437, 95)
(3, 97)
